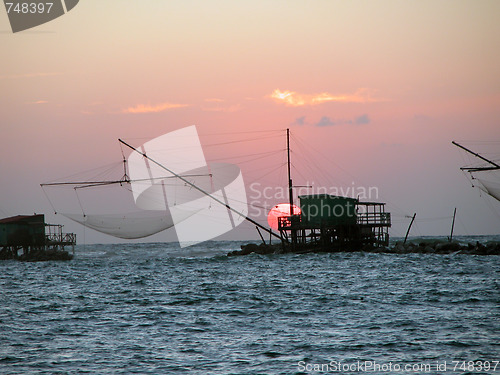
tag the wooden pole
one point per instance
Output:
(260, 234)
(293, 232)
(290, 185)
(453, 224)
(408, 231)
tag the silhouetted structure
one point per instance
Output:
(334, 223)
(36, 239)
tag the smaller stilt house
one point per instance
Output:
(36, 239)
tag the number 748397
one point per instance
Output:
(26, 8)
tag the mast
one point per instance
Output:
(201, 190)
(290, 185)
(495, 165)
(293, 232)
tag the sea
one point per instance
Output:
(154, 308)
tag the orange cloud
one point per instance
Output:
(40, 102)
(294, 99)
(143, 108)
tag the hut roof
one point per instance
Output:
(21, 218)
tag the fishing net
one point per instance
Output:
(490, 186)
(164, 183)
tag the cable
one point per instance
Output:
(237, 141)
(80, 203)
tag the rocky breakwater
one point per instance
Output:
(439, 247)
(435, 247)
(257, 249)
(35, 255)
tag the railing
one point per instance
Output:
(68, 238)
(367, 218)
(54, 234)
(374, 218)
(287, 222)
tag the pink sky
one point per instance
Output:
(379, 88)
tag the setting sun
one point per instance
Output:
(282, 209)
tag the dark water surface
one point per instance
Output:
(154, 308)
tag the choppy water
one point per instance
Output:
(154, 308)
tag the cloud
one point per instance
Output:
(40, 102)
(325, 121)
(291, 98)
(362, 120)
(287, 97)
(299, 121)
(143, 108)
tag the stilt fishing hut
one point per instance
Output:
(332, 223)
(37, 239)
(329, 223)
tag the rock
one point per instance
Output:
(400, 249)
(447, 247)
(436, 247)
(257, 249)
(428, 250)
(419, 249)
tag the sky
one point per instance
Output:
(376, 90)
